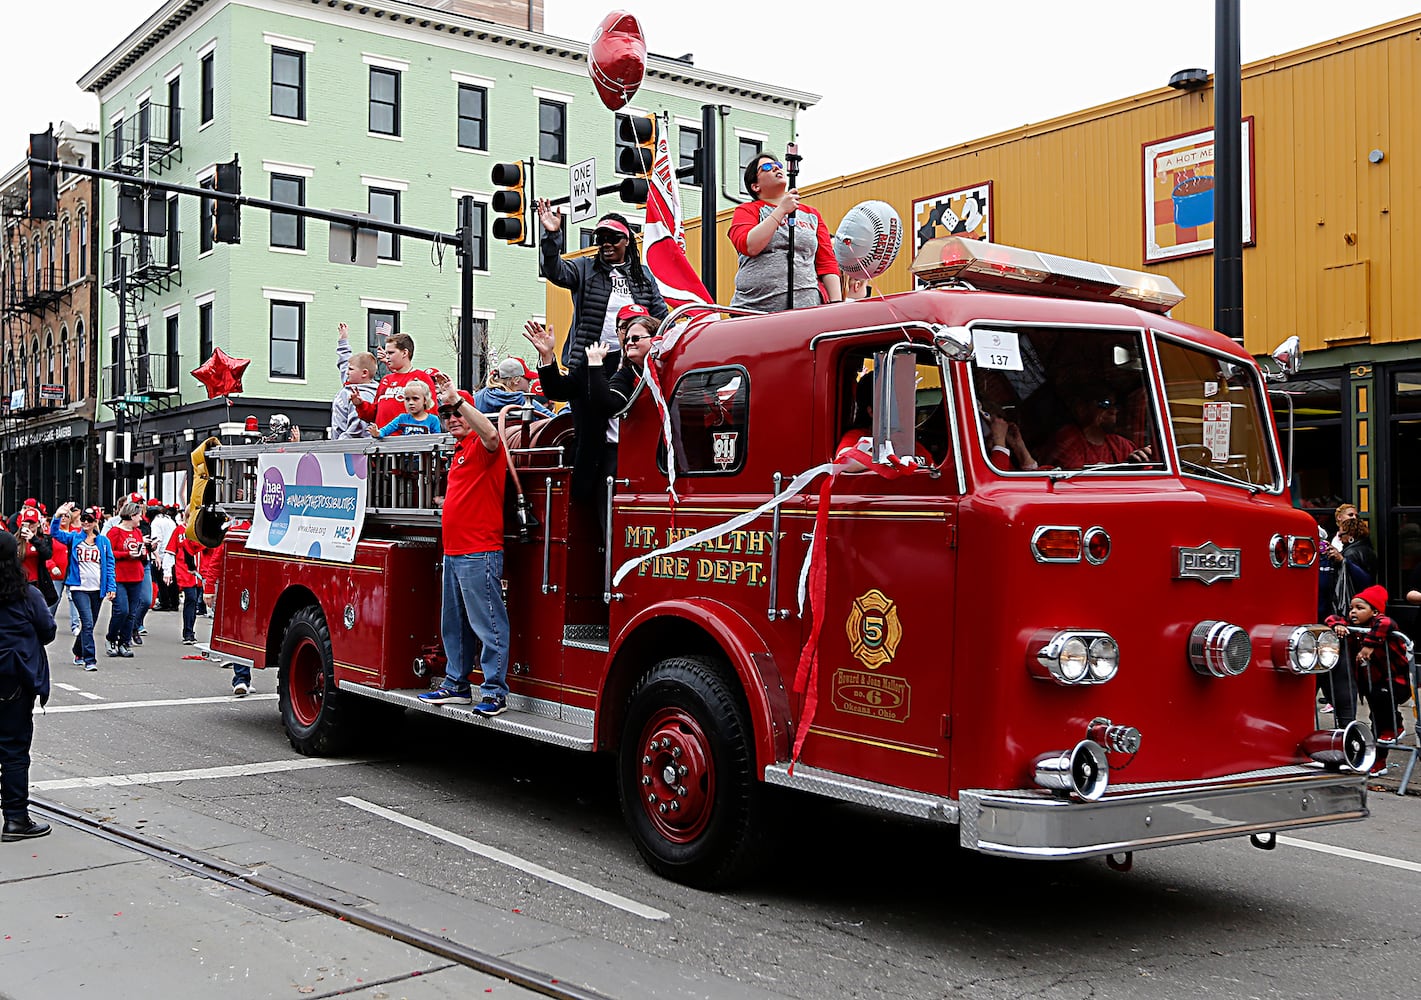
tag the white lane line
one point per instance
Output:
(512, 861)
(80, 692)
(193, 774)
(159, 703)
(1343, 852)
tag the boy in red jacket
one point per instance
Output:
(1382, 665)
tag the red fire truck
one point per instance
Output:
(1012, 552)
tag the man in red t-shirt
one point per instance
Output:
(390, 394)
(472, 523)
(129, 551)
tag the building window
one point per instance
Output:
(174, 361)
(204, 331)
(385, 206)
(206, 215)
(288, 230)
(384, 101)
(288, 340)
(480, 228)
(552, 131)
(49, 356)
(81, 353)
(64, 358)
(83, 243)
(749, 153)
(473, 117)
(175, 235)
(688, 144)
(67, 256)
(379, 324)
(175, 112)
(145, 381)
(208, 87)
(288, 84)
(145, 123)
(39, 264)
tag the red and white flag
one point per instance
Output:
(663, 240)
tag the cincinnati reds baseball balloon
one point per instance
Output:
(867, 241)
(616, 59)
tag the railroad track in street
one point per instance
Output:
(203, 865)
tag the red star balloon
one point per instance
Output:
(616, 59)
(221, 373)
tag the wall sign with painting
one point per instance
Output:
(1179, 194)
(965, 212)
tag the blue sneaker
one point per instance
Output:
(491, 705)
(446, 695)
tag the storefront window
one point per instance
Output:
(1403, 548)
(1320, 480)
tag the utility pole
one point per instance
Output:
(120, 382)
(1228, 172)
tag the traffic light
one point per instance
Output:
(510, 202)
(636, 158)
(44, 181)
(227, 215)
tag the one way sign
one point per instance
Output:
(583, 183)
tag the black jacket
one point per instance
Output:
(585, 387)
(590, 282)
(26, 627)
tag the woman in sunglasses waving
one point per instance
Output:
(760, 233)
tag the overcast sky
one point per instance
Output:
(901, 78)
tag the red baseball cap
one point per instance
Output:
(136, 498)
(632, 311)
(30, 515)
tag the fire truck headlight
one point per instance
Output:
(1329, 649)
(1305, 649)
(1219, 649)
(1075, 656)
(1104, 658)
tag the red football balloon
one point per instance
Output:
(221, 373)
(616, 59)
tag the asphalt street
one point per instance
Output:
(517, 851)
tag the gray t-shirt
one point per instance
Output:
(761, 281)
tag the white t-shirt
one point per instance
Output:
(621, 296)
(90, 561)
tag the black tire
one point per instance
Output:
(700, 826)
(316, 715)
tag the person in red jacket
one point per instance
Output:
(180, 566)
(1383, 671)
(390, 394)
(129, 549)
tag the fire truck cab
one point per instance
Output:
(1012, 552)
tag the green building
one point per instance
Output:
(396, 110)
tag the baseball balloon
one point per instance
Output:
(867, 241)
(616, 59)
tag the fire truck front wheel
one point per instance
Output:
(687, 778)
(311, 707)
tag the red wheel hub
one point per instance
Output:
(308, 687)
(676, 775)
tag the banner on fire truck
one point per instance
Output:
(310, 505)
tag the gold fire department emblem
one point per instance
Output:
(874, 630)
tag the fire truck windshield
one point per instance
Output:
(1219, 420)
(1065, 399)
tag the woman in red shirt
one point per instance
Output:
(128, 549)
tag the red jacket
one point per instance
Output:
(186, 554)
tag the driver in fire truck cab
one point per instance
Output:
(1092, 439)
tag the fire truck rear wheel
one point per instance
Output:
(312, 709)
(686, 774)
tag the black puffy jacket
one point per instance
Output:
(590, 282)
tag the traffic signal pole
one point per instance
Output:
(120, 386)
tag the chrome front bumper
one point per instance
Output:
(1030, 823)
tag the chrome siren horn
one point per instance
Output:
(1082, 772)
(1353, 747)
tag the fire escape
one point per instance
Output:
(32, 285)
(147, 249)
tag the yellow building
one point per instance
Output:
(1332, 205)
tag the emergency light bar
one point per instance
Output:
(998, 268)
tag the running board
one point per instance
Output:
(904, 802)
(530, 718)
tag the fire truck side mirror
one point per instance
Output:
(1289, 355)
(895, 379)
(954, 342)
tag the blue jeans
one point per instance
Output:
(125, 612)
(145, 598)
(472, 612)
(86, 604)
(191, 595)
(241, 674)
